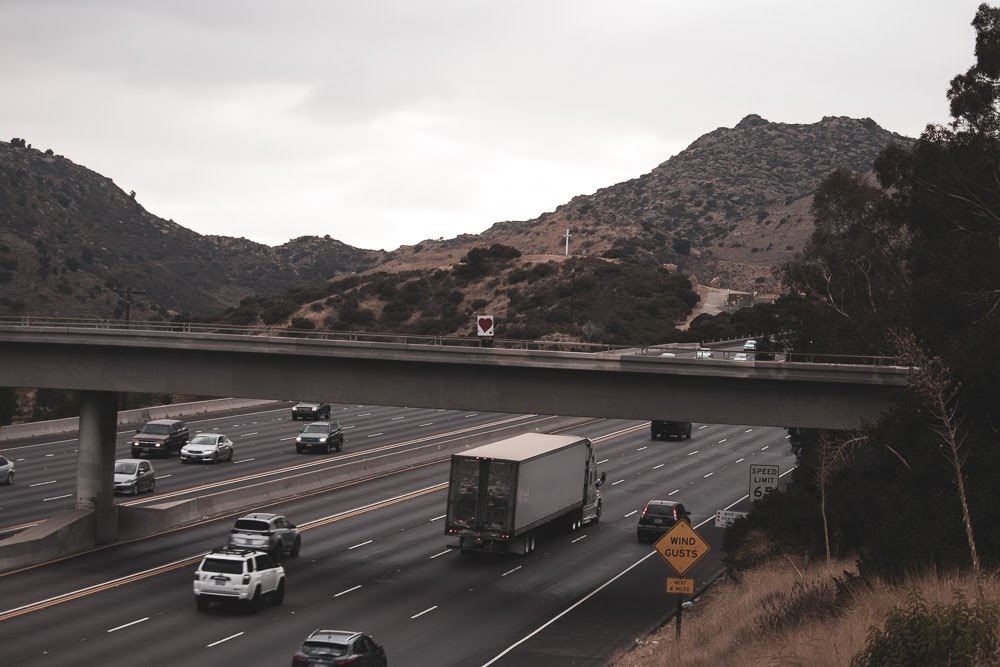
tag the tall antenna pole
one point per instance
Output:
(127, 293)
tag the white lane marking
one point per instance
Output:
(740, 460)
(723, 440)
(247, 435)
(430, 609)
(437, 518)
(511, 571)
(659, 466)
(440, 554)
(788, 436)
(360, 545)
(618, 482)
(364, 414)
(427, 424)
(709, 475)
(600, 462)
(748, 430)
(347, 427)
(51, 481)
(234, 637)
(642, 448)
(472, 415)
(396, 419)
(693, 453)
(701, 427)
(374, 434)
(588, 596)
(764, 447)
(164, 476)
(347, 591)
(291, 437)
(45, 500)
(577, 539)
(122, 627)
(244, 460)
(673, 492)
(631, 513)
(48, 455)
(441, 410)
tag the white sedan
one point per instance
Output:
(741, 356)
(212, 447)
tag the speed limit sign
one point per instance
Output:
(763, 480)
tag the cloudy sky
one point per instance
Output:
(386, 122)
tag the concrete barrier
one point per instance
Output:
(66, 533)
(140, 521)
(133, 417)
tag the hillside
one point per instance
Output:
(727, 209)
(70, 236)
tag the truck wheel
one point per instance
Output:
(296, 548)
(597, 517)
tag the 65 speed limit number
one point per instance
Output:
(763, 480)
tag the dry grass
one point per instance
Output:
(779, 616)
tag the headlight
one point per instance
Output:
(298, 438)
(135, 442)
(322, 439)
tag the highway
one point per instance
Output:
(375, 559)
(264, 446)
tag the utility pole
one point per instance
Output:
(127, 293)
(567, 242)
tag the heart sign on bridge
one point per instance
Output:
(484, 325)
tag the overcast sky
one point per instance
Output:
(386, 122)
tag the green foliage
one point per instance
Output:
(277, 311)
(958, 634)
(482, 261)
(55, 404)
(302, 323)
(8, 405)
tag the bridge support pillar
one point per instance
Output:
(95, 470)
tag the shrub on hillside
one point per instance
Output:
(277, 311)
(302, 323)
(957, 634)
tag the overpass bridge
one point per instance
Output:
(103, 358)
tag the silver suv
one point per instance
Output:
(239, 575)
(272, 533)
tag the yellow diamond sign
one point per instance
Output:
(681, 547)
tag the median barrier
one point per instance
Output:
(140, 521)
(66, 533)
(133, 417)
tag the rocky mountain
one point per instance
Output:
(69, 238)
(728, 208)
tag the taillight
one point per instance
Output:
(246, 579)
(350, 660)
(299, 659)
(644, 510)
(675, 514)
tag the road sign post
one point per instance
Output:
(763, 480)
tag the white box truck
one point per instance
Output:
(501, 494)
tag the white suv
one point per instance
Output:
(235, 573)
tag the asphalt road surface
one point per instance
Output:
(375, 559)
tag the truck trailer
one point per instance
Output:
(501, 494)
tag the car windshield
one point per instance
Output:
(156, 429)
(222, 565)
(203, 440)
(125, 467)
(324, 648)
(316, 428)
(251, 525)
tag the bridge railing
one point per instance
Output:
(678, 350)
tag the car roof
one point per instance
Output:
(668, 503)
(260, 516)
(164, 421)
(205, 433)
(340, 636)
(234, 553)
(309, 403)
(129, 460)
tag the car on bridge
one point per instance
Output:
(238, 574)
(340, 647)
(263, 531)
(327, 436)
(703, 353)
(750, 345)
(133, 476)
(6, 470)
(210, 447)
(311, 410)
(161, 437)
(659, 516)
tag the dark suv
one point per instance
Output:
(659, 516)
(310, 410)
(661, 429)
(161, 437)
(327, 436)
